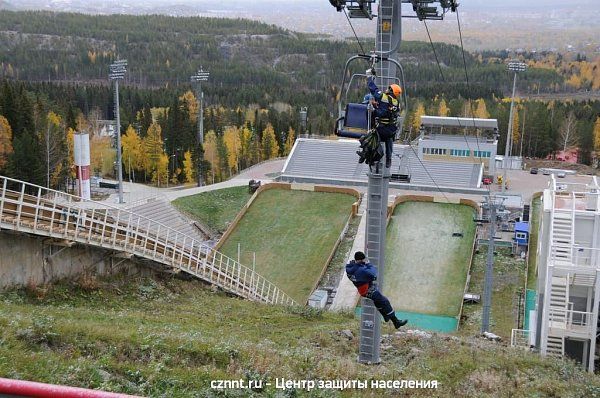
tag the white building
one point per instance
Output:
(565, 322)
(456, 139)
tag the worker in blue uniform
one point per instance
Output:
(363, 274)
(386, 110)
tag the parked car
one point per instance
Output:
(487, 181)
(561, 174)
(546, 172)
(533, 170)
(561, 187)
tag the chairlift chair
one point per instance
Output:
(353, 117)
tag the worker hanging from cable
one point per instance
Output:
(386, 108)
(363, 274)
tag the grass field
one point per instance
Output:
(292, 233)
(535, 213)
(509, 278)
(426, 268)
(215, 209)
(170, 338)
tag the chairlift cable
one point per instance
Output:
(434, 52)
(428, 173)
(462, 48)
(353, 31)
(468, 86)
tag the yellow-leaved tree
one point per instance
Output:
(6, 148)
(245, 142)
(416, 118)
(133, 152)
(289, 141)
(481, 110)
(190, 102)
(270, 147)
(71, 152)
(157, 164)
(188, 167)
(211, 154)
(516, 130)
(54, 142)
(231, 138)
(597, 136)
(443, 109)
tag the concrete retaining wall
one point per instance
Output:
(31, 261)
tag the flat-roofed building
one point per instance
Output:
(457, 139)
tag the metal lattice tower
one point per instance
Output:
(388, 39)
(370, 322)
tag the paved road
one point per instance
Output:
(134, 192)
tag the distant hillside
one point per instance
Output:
(247, 59)
(6, 6)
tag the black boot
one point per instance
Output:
(388, 162)
(398, 322)
(361, 156)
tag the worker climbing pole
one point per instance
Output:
(355, 122)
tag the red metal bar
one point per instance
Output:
(40, 390)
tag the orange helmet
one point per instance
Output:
(396, 90)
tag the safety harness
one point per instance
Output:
(391, 116)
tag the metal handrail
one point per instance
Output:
(519, 338)
(571, 318)
(579, 255)
(61, 215)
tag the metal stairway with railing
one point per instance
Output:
(558, 288)
(557, 313)
(68, 219)
(562, 237)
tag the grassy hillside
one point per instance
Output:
(170, 338)
(292, 233)
(509, 279)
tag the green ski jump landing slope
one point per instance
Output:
(293, 234)
(426, 267)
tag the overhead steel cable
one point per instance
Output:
(428, 173)
(353, 31)
(462, 48)
(468, 90)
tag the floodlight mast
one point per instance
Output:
(117, 72)
(516, 67)
(197, 79)
(383, 59)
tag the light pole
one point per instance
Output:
(117, 72)
(516, 67)
(198, 78)
(303, 120)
